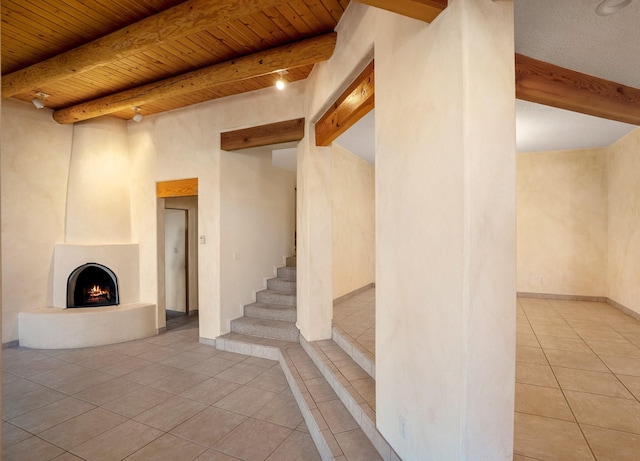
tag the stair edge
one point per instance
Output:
(275, 353)
(352, 351)
(383, 447)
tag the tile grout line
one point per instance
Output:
(95, 406)
(564, 395)
(369, 428)
(580, 425)
(253, 350)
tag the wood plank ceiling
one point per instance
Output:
(38, 30)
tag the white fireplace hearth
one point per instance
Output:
(59, 327)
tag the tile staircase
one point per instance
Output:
(337, 403)
(326, 383)
(273, 315)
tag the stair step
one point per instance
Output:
(358, 400)
(276, 297)
(287, 273)
(271, 312)
(279, 284)
(291, 261)
(274, 329)
(318, 403)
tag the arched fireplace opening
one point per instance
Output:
(92, 285)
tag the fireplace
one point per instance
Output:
(92, 285)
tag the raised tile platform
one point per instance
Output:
(55, 328)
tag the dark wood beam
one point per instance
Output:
(263, 135)
(179, 21)
(551, 85)
(424, 10)
(297, 54)
(353, 104)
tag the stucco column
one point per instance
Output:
(445, 229)
(314, 240)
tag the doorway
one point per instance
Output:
(177, 245)
(176, 257)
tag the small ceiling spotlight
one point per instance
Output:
(281, 83)
(608, 7)
(38, 101)
(137, 116)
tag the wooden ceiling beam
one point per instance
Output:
(551, 85)
(177, 22)
(353, 104)
(263, 135)
(177, 188)
(423, 10)
(297, 54)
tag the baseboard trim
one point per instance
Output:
(597, 299)
(14, 343)
(624, 309)
(339, 299)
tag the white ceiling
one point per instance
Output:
(543, 128)
(570, 34)
(360, 138)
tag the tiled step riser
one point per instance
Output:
(328, 448)
(270, 313)
(281, 285)
(276, 297)
(367, 425)
(288, 273)
(245, 326)
(361, 359)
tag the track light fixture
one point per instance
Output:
(137, 116)
(38, 101)
(281, 83)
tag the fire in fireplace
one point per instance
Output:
(92, 285)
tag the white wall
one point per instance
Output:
(175, 259)
(624, 221)
(186, 144)
(445, 223)
(445, 230)
(562, 222)
(98, 202)
(354, 50)
(256, 215)
(36, 153)
(353, 221)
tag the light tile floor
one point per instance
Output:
(577, 376)
(355, 319)
(163, 398)
(577, 381)
(344, 437)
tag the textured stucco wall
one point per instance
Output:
(562, 222)
(624, 221)
(354, 236)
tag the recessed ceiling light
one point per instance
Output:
(608, 7)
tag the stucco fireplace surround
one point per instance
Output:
(60, 327)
